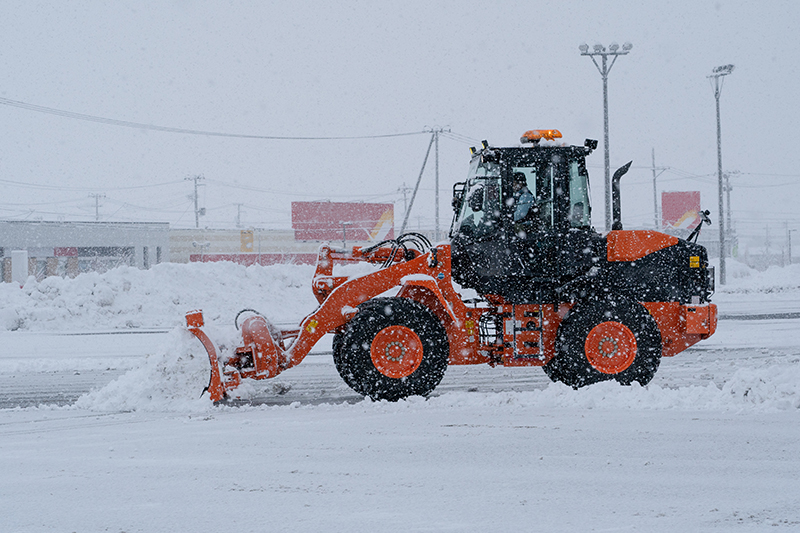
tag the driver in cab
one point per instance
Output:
(523, 199)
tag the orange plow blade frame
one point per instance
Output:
(259, 346)
(216, 388)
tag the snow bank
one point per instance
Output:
(776, 388)
(127, 297)
(742, 279)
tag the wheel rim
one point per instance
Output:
(610, 347)
(396, 351)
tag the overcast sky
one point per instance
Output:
(485, 70)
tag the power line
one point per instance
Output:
(771, 174)
(292, 194)
(152, 127)
(64, 188)
(28, 204)
(459, 138)
(762, 186)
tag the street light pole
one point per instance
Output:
(716, 75)
(600, 50)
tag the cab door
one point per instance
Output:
(555, 243)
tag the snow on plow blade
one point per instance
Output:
(259, 357)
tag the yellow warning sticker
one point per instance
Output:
(694, 261)
(312, 325)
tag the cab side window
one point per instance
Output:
(580, 213)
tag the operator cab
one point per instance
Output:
(522, 221)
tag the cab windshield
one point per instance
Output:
(543, 193)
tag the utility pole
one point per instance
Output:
(717, 76)
(97, 204)
(404, 191)
(416, 187)
(436, 194)
(767, 251)
(787, 249)
(615, 52)
(656, 218)
(197, 210)
(436, 130)
(238, 215)
(728, 222)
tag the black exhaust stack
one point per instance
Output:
(615, 205)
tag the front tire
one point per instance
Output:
(609, 339)
(391, 349)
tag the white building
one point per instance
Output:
(69, 248)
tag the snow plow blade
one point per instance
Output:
(259, 357)
(215, 388)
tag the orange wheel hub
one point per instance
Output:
(610, 347)
(396, 351)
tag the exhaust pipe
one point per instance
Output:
(615, 201)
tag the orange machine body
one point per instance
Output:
(516, 335)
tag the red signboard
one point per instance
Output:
(680, 210)
(336, 221)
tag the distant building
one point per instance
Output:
(345, 223)
(69, 248)
(250, 246)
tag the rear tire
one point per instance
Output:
(609, 339)
(391, 349)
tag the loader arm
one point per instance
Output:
(341, 303)
(267, 351)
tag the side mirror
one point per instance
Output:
(458, 196)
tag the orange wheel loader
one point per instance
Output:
(543, 289)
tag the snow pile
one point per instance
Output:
(767, 390)
(735, 270)
(744, 280)
(127, 297)
(775, 387)
(170, 380)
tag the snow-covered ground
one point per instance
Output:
(110, 434)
